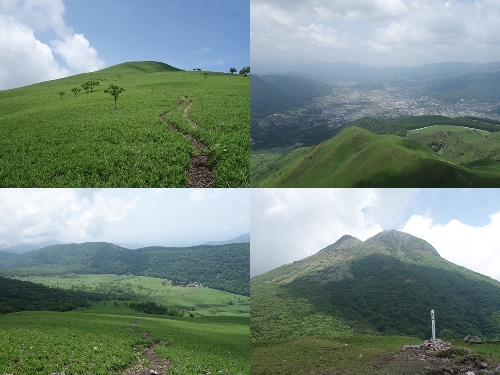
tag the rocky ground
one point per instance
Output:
(437, 357)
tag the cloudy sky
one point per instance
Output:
(47, 39)
(168, 217)
(290, 33)
(291, 224)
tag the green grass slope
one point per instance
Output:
(359, 158)
(83, 141)
(385, 285)
(460, 145)
(110, 343)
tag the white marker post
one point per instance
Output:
(433, 325)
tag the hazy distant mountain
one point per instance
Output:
(244, 238)
(279, 92)
(344, 70)
(469, 86)
(385, 285)
(25, 247)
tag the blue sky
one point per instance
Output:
(170, 217)
(291, 224)
(62, 37)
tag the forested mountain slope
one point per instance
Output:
(224, 267)
(385, 285)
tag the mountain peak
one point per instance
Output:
(394, 242)
(345, 237)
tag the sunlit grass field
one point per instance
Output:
(90, 343)
(83, 141)
(204, 301)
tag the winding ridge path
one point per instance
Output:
(157, 364)
(200, 173)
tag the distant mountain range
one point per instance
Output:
(224, 267)
(25, 247)
(345, 70)
(385, 285)
(484, 85)
(244, 238)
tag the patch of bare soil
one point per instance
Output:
(157, 365)
(420, 361)
(200, 173)
(193, 124)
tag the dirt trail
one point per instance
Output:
(193, 124)
(200, 173)
(157, 364)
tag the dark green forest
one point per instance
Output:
(16, 295)
(150, 307)
(223, 267)
(392, 297)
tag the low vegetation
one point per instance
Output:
(82, 141)
(110, 343)
(189, 330)
(362, 355)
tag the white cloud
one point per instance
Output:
(197, 196)
(324, 37)
(32, 215)
(78, 53)
(24, 59)
(472, 247)
(390, 32)
(41, 15)
(290, 224)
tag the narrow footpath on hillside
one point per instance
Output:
(157, 365)
(200, 173)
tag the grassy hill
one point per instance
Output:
(83, 141)
(385, 285)
(118, 340)
(427, 151)
(224, 267)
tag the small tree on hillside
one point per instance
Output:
(86, 86)
(76, 90)
(114, 91)
(61, 93)
(232, 70)
(93, 84)
(245, 71)
(89, 85)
